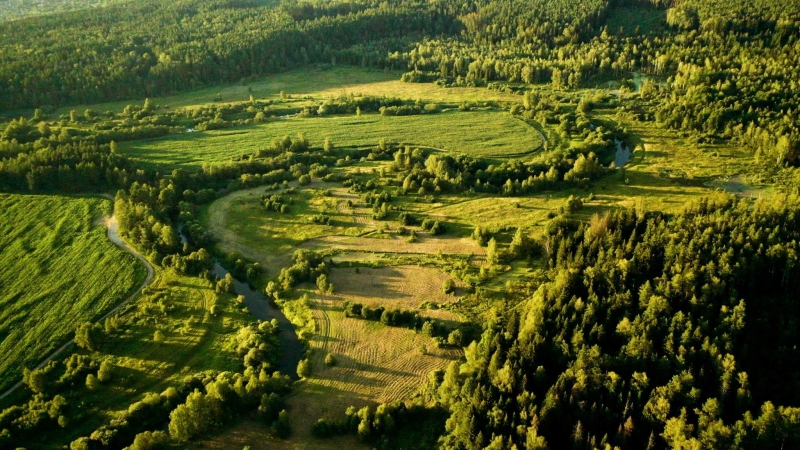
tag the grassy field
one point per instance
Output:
(194, 341)
(242, 225)
(314, 83)
(374, 362)
(477, 133)
(57, 269)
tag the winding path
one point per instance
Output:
(113, 236)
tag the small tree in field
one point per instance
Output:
(492, 257)
(281, 427)
(105, 371)
(304, 368)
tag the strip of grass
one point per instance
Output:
(57, 269)
(477, 133)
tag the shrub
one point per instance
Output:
(281, 427)
(304, 368)
(330, 360)
(448, 286)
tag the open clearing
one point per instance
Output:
(316, 83)
(57, 269)
(476, 133)
(241, 224)
(402, 287)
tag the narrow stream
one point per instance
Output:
(623, 154)
(260, 308)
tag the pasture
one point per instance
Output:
(317, 83)
(494, 134)
(57, 269)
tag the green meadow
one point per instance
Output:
(57, 269)
(477, 133)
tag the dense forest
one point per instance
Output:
(678, 327)
(642, 329)
(727, 68)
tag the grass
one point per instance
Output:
(241, 224)
(312, 82)
(194, 341)
(477, 133)
(374, 363)
(57, 269)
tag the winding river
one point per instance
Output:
(262, 309)
(256, 302)
(259, 306)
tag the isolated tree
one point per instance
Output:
(492, 258)
(456, 338)
(84, 336)
(448, 286)
(304, 368)
(105, 372)
(281, 427)
(519, 244)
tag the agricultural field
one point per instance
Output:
(57, 269)
(494, 134)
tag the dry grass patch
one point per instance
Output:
(394, 244)
(402, 287)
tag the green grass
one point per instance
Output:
(57, 269)
(310, 83)
(477, 133)
(194, 341)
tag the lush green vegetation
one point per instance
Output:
(478, 133)
(58, 269)
(18, 9)
(678, 328)
(478, 229)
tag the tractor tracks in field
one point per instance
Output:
(113, 235)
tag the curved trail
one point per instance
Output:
(113, 236)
